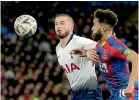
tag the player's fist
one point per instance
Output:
(129, 91)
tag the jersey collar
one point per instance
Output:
(102, 44)
(70, 39)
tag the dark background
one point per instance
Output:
(29, 67)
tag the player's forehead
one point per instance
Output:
(61, 19)
(95, 20)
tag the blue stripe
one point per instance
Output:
(112, 41)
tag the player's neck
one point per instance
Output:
(105, 36)
(65, 41)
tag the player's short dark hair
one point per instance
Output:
(66, 15)
(106, 16)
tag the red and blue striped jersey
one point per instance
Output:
(113, 63)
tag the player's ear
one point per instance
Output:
(72, 27)
(103, 28)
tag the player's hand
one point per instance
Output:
(92, 55)
(80, 51)
(129, 91)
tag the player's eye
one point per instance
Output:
(62, 23)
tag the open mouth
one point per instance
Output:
(59, 31)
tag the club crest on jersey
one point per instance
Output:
(70, 52)
(70, 68)
(105, 54)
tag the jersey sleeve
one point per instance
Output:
(87, 43)
(119, 49)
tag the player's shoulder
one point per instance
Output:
(114, 40)
(82, 40)
(116, 43)
(58, 46)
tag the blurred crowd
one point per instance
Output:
(29, 67)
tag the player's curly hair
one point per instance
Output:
(106, 16)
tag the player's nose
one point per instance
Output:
(58, 26)
(91, 31)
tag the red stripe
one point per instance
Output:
(132, 98)
(118, 54)
(110, 73)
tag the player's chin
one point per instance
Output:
(61, 36)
